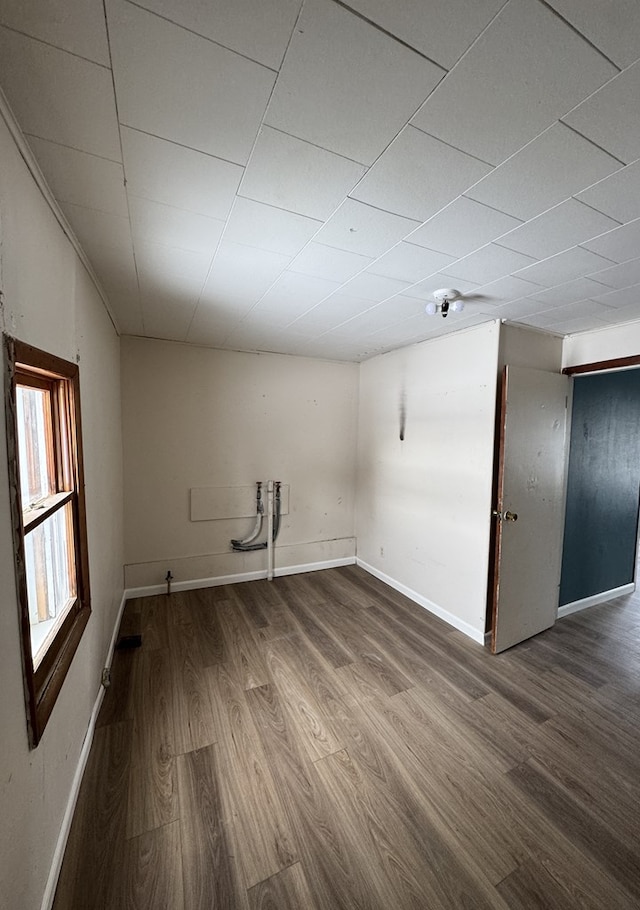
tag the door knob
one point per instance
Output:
(505, 516)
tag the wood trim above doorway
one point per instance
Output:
(616, 364)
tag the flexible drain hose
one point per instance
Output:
(259, 518)
(247, 546)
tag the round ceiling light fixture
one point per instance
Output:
(445, 301)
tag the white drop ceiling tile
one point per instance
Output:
(361, 228)
(96, 230)
(80, 178)
(441, 29)
(415, 328)
(356, 329)
(622, 316)
(579, 324)
(213, 324)
(266, 338)
(206, 329)
(292, 295)
(436, 326)
(619, 276)
(610, 116)
(333, 311)
(170, 273)
(582, 309)
(539, 320)
(301, 348)
(374, 288)
(527, 69)
(127, 313)
(116, 272)
(177, 85)
(563, 267)
(240, 275)
(435, 329)
(266, 227)
(618, 245)
(297, 176)
(213, 321)
(613, 25)
(250, 329)
(526, 185)
(167, 315)
(278, 314)
(259, 29)
(423, 290)
(391, 312)
(516, 309)
(76, 26)
(379, 319)
(169, 173)
(488, 264)
(418, 175)
(570, 291)
(317, 347)
(408, 262)
(619, 299)
(116, 268)
(345, 85)
(327, 262)
(280, 343)
(557, 230)
(618, 195)
(155, 222)
(124, 302)
(504, 290)
(58, 96)
(477, 310)
(352, 331)
(236, 339)
(462, 227)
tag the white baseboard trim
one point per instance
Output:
(316, 566)
(65, 828)
(116, 629)
(424, 602)
(214, 582)
(594, 600)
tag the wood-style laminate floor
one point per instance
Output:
(322, 743)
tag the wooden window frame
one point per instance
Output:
(42, 685)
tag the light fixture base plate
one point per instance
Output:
(443, 294)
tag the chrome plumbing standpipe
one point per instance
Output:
(270, 530)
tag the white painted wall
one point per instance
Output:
(196, 417)
(424, 504)
(49, 301)
(603, 344)
(523, 346)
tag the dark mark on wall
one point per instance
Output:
(403, 413)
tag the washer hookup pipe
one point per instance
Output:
(236, 544)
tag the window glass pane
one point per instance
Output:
(51, 584)
(33, 423)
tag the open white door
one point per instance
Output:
(530, 504)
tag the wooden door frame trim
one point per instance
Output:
(618, 363)
(495, 521)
